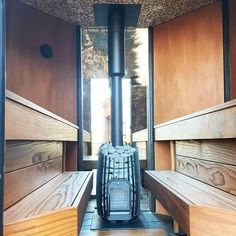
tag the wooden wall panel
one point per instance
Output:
(221, 176)
(22, 154)
(232, 31)
(50, 83)
(29, 179)
(188, 63)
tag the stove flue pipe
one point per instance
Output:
(116, 69)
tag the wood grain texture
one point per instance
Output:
(20, 210)
(190, 190)
(193, 204)
(232, 38)
(188, 64)
(61, 217)
(228, 200)
(22, 154)
(50, 83)
(62, 197)
(221, 176)
(220, 151)
(60, 192)
(83, 197)
(222, 223)
(219, 123)
(16, 98)
(23, 123)
(141, 232)
(29, 179)
(58, 223)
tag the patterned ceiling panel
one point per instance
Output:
(153, 12)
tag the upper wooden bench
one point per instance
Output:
(200, 190)
(40, 198)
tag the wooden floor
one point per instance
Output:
(145, 232)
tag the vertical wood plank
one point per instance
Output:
(162, 156)
(189, 64)
(172, 154)
(71, 153)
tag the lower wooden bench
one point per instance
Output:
(56, 208)
(198, 208)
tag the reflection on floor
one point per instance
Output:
(151, 224)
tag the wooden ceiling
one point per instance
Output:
(153, 12)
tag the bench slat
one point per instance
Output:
(25, 206)
(63, 196)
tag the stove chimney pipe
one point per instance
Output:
(116, 25)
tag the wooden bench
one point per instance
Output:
(56, 208)
(199, 190)
(198, 208)
(40, 197)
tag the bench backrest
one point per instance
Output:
(210, 161)
(29, 165)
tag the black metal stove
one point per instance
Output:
(118, 173)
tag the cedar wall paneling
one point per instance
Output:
(50, 83)
(188, 63)
(232, 30)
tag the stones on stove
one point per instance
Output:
(123, 151)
